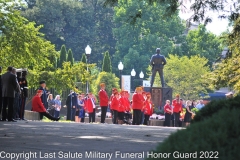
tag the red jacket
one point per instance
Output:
(115, 104)
(127, 107)
(137, 101)
(88, 105)
(37, 104)
(148, 109)
(177, 106)
(122, 104)
(167, 106)
(103, 98)
(111, 101)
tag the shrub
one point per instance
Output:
(216, 129)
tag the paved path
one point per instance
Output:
(37, 140)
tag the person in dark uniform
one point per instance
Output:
(24, 95)
(71, 105)
(43, 96)
(157, 62)
(9, 87)
(16, 99)
(0, 91)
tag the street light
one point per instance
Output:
(141, 75)
(133, 74)
(88, 51)
(120, 67)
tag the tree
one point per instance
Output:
(84, 58)
(70, 57)
(186, 75)
(107, 65)
(75, 24)
(144, 36)
(63, 56)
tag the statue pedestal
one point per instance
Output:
(159, 95)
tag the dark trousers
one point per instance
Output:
(73, 114)
(90, 117)
(94, 115)
(51, 111)
(136, 116)
(16, 106)
(103, 113)
(56, 114)
(115, 116)
(146, 119)
(7, 103)
(22, 107)
(160, 71)
(49, 116)
(142, 117)
(121, 115)
(177, 119)
(167, 121)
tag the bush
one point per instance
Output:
(218, 131)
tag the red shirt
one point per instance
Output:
(167, 106)
(37, 104)
(122, 105)
(177, 105)
(137, 101)
(115, 104)
(103, 98)
(148, 109)
(88, 105)
(111, 101)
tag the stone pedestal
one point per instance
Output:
(159, 95)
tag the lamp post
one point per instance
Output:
(88, 51)
(120, 68)
(133, 74)
(141, 75)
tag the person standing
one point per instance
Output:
(71, 105)
(148, 109)
(93, 98)
(82, 108)
(16, 113)
(188, 114)
(57, 106)
(44, 94)
(115, 106)
(177, 108)
(168, 113)
(157, 62)
(23, 95)
(137, 105)
(51, 104)
(88, 104)
(9, 87)
(38, 106)
(0, 91)
(200, 105)
(103, 98)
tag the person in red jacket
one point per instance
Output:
(168, 113)
(148, 109)
(38, 106)
(113, 91)
(137, 105)
(103, 98)
(177, 108)
(122, 107)
(115, 106)
(88, 104)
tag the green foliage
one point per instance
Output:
(63, 56)
(186, 75)
(75, 24)
(109, 79)
(84, 58)
(137, 42)
(107, 65)
(70, 57)
(214, 131)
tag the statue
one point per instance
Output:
(157, 62)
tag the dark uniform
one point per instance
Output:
(23, 97)
(43, 97)
(71, 101)
(157, 61)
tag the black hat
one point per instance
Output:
(41, 82)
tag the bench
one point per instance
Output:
(31, 115)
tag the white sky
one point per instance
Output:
(217, 26)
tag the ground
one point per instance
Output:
(59, 140)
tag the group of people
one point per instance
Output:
(180, 112)
(13, 94)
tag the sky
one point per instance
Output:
(217, 26)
